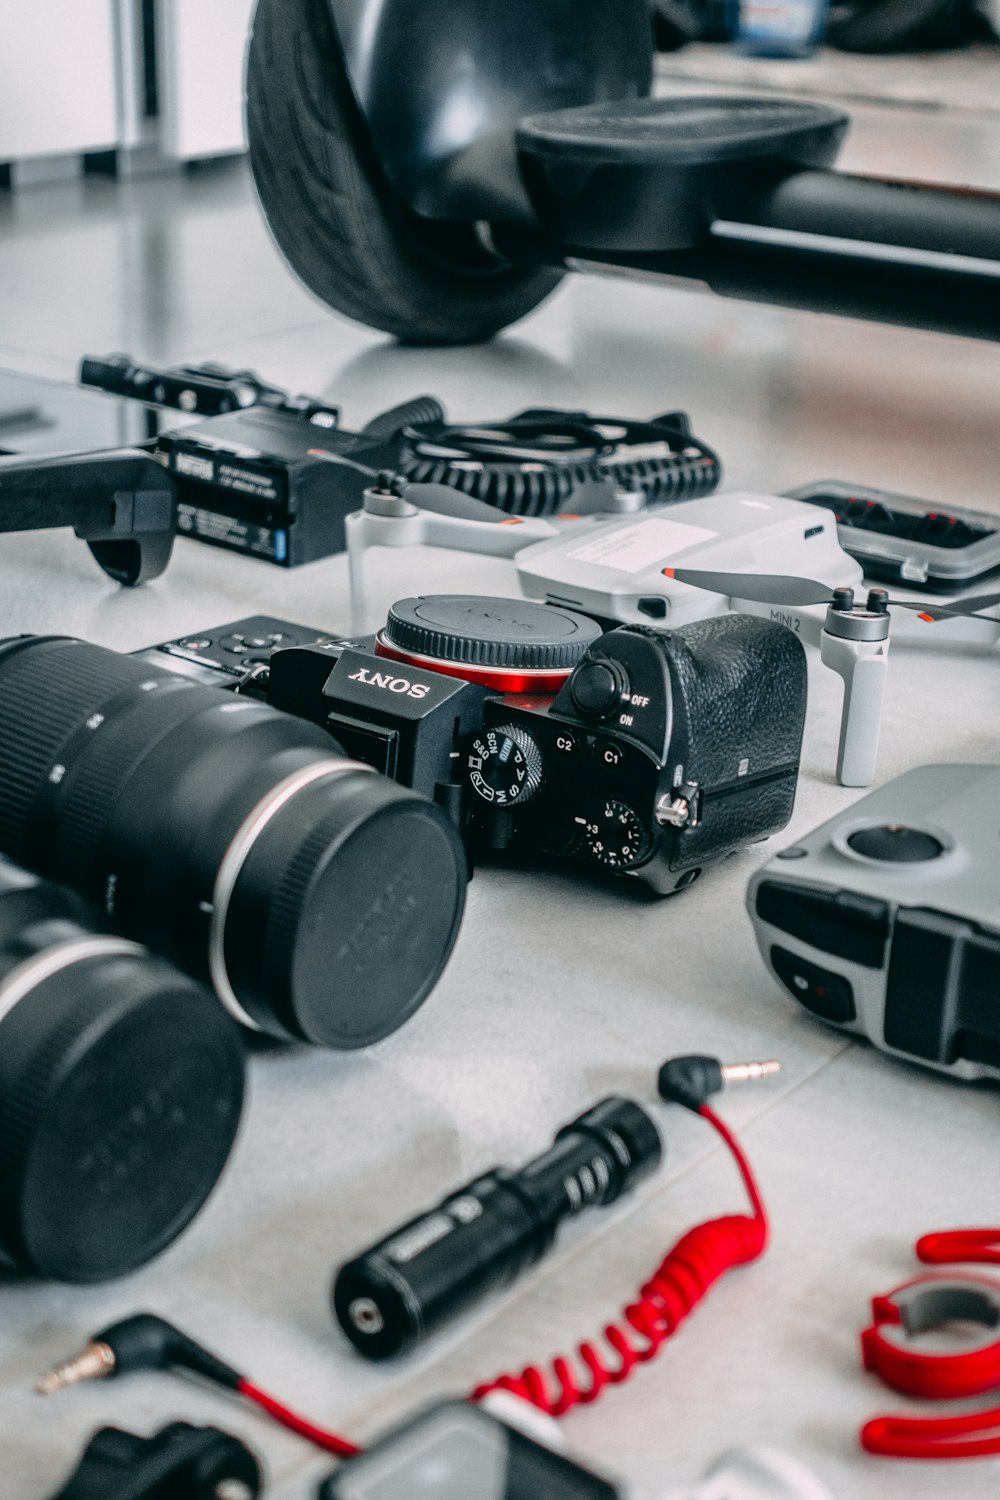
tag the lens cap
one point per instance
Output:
(895, 844)
(346, 910)
(121, 1088)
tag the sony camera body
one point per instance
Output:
(660, 752)
(663, 751)
(884, 921)
(408, 722)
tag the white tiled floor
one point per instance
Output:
(558, 991)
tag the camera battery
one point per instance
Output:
(273, 484)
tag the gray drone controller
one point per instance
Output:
(884, 921)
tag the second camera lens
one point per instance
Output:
(121, 1087)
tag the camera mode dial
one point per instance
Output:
(598, 687)
(505, 766)
(615, 836)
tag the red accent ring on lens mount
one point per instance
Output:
(538, 681)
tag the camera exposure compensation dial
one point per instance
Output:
(505, 766)
(615, 836)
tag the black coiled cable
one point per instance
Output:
(534, 463)
(419, 411)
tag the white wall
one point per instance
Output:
(201, 46)
(58, 89)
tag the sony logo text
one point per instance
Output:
(393, 684)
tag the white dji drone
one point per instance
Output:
(748, 553)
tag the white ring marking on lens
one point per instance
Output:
(235, 858)
(34, 971)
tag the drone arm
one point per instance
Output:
(805, 620)
(862, 665)
(957, 630)
(364, 529)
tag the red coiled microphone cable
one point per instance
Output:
(685, 1275)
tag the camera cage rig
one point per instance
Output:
(474, 153)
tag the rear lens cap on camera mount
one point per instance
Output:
(510, 645)
(895, 844)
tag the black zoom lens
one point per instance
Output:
(121, 1086)
(321, 899)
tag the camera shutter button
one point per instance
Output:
(598, 687)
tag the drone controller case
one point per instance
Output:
(903, 949)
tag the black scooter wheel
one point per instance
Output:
(337, 222)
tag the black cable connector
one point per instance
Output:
(142, 1342)
(692, 1080)
(179, 1463)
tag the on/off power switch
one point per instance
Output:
(826, 994)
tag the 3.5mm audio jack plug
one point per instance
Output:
(146, 1342)
(692, 1080)
(143, 1342)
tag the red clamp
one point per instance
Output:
(924, 1306)
(920, 1307)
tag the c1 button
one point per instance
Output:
(610, 756)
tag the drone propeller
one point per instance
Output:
(763, 588)
(974, 604)
(442, 500)
(779, 589)
(445, 500)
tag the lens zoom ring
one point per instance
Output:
(111, 758)
(44, 690)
